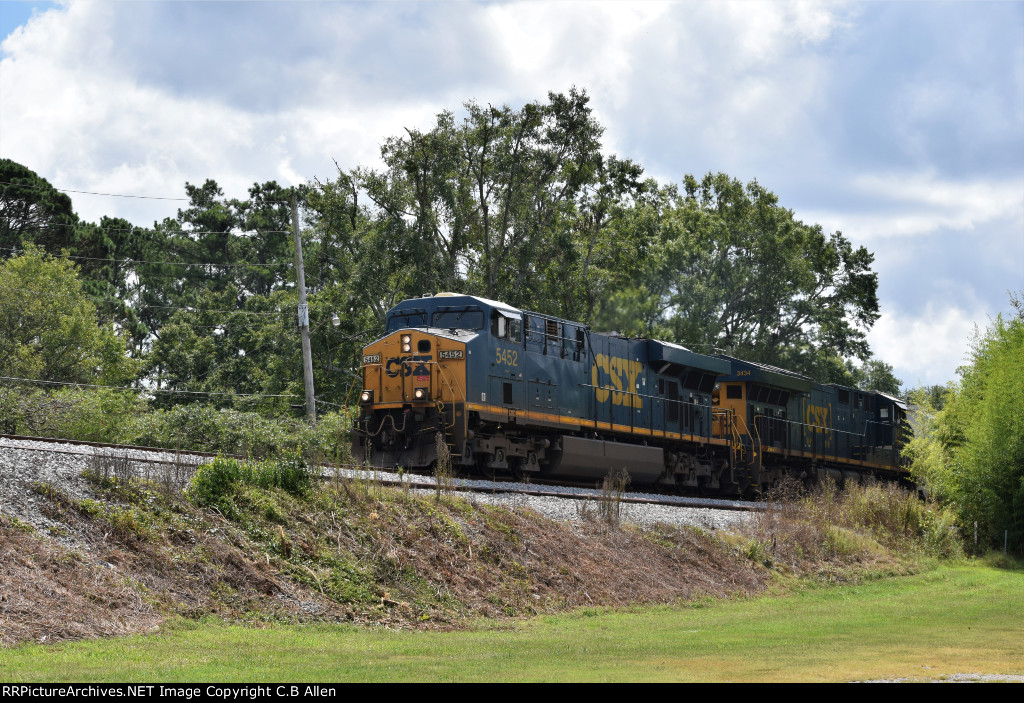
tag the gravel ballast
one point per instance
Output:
(24, 463)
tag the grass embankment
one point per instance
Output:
(256, 543)
(954, 618)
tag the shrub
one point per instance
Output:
(202, 427)
(205, 428)
(213, 482)
(970, 453)
(855, 522)
(96, 415)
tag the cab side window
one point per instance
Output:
(506, 327)
(515, 331)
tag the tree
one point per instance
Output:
(875, 375)
(723, 266)
(48, 327)
(213, 245)
(265, 243)
(217, 349)
(972, 453)
(32, 211)
(601, 203)
(481, 203)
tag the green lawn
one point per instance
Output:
(948, 620)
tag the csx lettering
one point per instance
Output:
(408, 365)
(622, 375)
(508, 357)
(817, 417)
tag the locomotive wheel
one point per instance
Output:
(515, 465)
(484, 469)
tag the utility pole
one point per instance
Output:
(300, 279)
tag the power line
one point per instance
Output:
(113, 195)
(151, 230)
(148, 390)
(143, 307)
(190, 309)
(155, 263)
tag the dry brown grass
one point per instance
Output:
(366, 553)
(826, 529)
(49, 593)
(128, 576)
(353, 552)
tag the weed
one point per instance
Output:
(105, 468)
(18, 525)
(609, 508)
(759, 551)
(857, 523)
(49, 491)
(443, 474)
(284, 545)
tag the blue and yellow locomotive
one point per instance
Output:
(501, 389)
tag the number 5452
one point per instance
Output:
(508, 357)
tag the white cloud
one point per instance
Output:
(125, 97)
(943, 203)
(913, 204)
(141, 97)
(926, 349)
(73, 108)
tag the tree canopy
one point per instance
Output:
(971, 451)
(32, 210)
(722, 266)
(49, 328)
(517, 204)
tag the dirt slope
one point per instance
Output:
(120, 557)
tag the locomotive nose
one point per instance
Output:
(413, 367)
(413, 388)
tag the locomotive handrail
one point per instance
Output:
(643, 395)
(440, 411)
(444, 374)
(817, 427)
(352, 386)
(747, 428)
(632, 416)
(862, 435)
(728, 418)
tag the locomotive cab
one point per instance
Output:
(415, 379)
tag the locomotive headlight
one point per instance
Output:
(367, 397)
(407, 342)
(420, 394)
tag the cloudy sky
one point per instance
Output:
(900, 124)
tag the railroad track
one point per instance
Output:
(415, 481)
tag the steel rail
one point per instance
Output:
(411, 482)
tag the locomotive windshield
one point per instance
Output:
(467, 318)
(407, 318)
